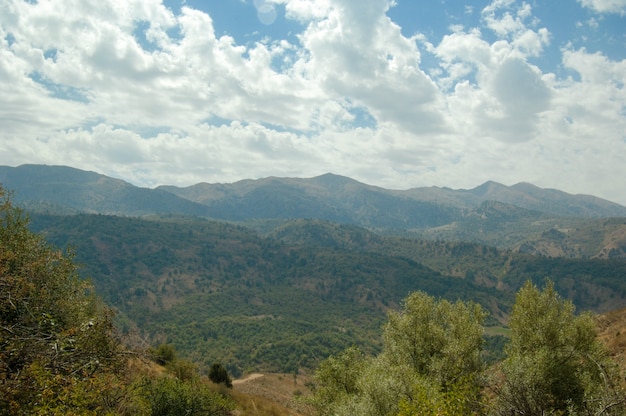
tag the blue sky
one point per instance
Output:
(399, 94)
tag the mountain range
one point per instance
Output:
(329, 196)
(522, 217)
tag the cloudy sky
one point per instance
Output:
(398, 94)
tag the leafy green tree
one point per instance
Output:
(164, 354)
(555, 364)
(337, 379)
(431, 358)
(436, 338)
(219, 375)
(52, 327)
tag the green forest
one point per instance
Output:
(117, 315)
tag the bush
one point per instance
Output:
(219, 375)
(168, 396)
(57, 336)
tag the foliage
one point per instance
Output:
(219, 292)
(431, 358)
(436, 338)
(431, 364)
(427, 400)
(218, 375)
(59, 352)
(164, 354)
(54, 332)
(555, 363)
(170, 396)
(337, 379)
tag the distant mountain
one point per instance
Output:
(341, 197)
(62, 189)
(492, 213)
(328, 197)
(524, 195)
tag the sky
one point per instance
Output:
(393, 93)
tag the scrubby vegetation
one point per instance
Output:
(431, 364)
(284, 300)
(59, 351)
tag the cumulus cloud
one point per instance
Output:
(133, 89)
(605, 6)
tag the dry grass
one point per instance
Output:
(612, 331)
(272, 395)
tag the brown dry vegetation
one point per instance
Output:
(612, 331)
(272, 395)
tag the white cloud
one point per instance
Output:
(605, 6)
(131, 89)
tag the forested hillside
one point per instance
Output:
(60, 353)
(308, 289)
(285, 296)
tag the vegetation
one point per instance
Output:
(555, 364)
(59, 352)
(431, 358)
(431, 364)
(56, 337)
(219, 375)
(222, 293)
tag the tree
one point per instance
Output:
(436, 338)
(431, 358)
(54, 332)
(169, 396)
(218, 375)
(555, 363)
(337, 379)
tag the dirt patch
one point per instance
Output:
(247, 379)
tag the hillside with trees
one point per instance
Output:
(61, 352)
(283, 301)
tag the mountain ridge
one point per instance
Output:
(30, 177)
(520, 216)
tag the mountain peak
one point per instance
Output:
(488, 188)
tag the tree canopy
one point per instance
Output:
(431, 349)
(555, 363)
(431, 364)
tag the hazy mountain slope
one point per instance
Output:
(60, 188)
(519, 217)
(524, 195)
(365, 203)
(329, 197)
(601, 238)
